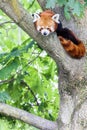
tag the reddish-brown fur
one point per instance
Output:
(46, 19)
(74, 50)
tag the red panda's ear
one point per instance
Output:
(35, 17)
(56, 18)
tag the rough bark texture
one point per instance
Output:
(72, 72)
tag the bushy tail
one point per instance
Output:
(76, 51)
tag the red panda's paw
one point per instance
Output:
(63, 40)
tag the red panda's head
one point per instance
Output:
(46, 22)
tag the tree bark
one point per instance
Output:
(24, 116)
(72, 72)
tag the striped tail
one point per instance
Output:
(76, 51)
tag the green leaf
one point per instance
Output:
(51, 3)
(14, 91)
(61, 2)
(4, 96)
(78, 9)
(67, 13)
(6, 71)
(16, 52)
(28, 46)
(85, 2)
(70, 3)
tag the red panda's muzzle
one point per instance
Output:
(45, 32)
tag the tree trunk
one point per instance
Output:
(73, 103)
(72, 72)
(73, 85)
(73, 81)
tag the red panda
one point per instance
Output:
(48, 22)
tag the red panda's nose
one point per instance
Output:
(45, 33)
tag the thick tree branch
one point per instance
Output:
(25, 22)
(24, 116)
(50, 43)
(73, 73)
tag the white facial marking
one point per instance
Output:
(35, 17)
(52, 29)
(38, 28)
(56, 18)
(45, 32)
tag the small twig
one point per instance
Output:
(31, 4)
(12, 79)
(31, 61)
(23, 82)
(34, 59)
(1, 24)
(7, 81)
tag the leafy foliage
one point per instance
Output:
(73, 7)
(28, 76)
(17, 125)
(50, 3)
(27, 71)
(4, 96)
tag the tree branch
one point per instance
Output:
(70, 67)
(24, 116)
(50, 43)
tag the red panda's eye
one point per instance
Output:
(41, 28)
(49, 29)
